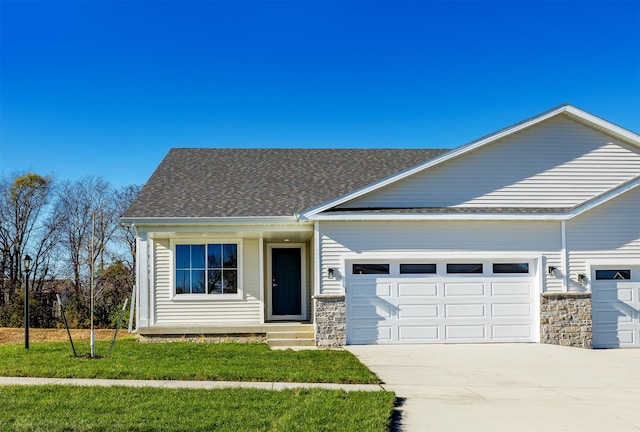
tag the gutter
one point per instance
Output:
(204, 221)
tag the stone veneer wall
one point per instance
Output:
(330, 320)
(565, 319)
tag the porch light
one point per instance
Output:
(330, 272)
(582, 278)
(551, 270)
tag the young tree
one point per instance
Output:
(89, 221)
(115, 283)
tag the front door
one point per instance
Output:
(286, 283)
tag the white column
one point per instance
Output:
(142, 279)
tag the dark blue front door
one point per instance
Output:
(286, 272)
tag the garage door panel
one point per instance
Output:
(465, 311)
(626, 294)
(366, 311)
(370, 289)
(604, 294)
(500, 310)
(383, 290)
(466, 332)
(362, 290)
(614, 338)
(366, 333)
(510, 289)
(418, 311)
(408, 333)
(511, 332)
(453, 289)
(415, 289)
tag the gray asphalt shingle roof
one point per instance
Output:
(214, 182)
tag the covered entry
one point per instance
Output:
(287, 287)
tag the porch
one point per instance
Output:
(277, 334)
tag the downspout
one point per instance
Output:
(135, 301)
(135, 295)
(565, 257)
(317, 268)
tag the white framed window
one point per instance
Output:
(209, 269)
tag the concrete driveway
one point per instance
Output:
(509, 387)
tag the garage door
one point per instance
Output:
(616, 306)
(440, 302)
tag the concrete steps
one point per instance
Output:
(291, 335)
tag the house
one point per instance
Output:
(530, 234)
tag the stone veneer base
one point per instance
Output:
(565, 319)
(330, 320)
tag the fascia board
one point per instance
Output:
(614, 129)
(436, 161)
(209, 221)
(440, 217)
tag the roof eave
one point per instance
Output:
(209, 221)
(440, 217)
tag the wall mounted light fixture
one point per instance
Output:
(331, 272)
(582, 278)
(551, 269)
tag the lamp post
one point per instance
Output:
(26, 261)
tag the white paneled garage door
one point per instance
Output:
(616, 306)
(470, 301)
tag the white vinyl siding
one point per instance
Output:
(171, 311)
(437, 239)
(609, 233)
(559, 163)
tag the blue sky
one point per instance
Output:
(108, 87)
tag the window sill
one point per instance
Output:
(204, 297)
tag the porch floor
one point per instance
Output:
(285, 326)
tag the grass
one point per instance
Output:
(62, 408)
(184, 361)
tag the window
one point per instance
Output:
(511, 268)
(207, 269)
(613, 274)
(464, 268)
(370, 269)
(417, 268)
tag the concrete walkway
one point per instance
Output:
(184, 384)
(509, 387)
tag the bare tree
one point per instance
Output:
(26, 226)
(125, 235)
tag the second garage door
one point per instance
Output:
(616, 303)
(408, 301)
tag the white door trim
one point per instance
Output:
(303, 281)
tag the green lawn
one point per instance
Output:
(67, 408)
(184, 361)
